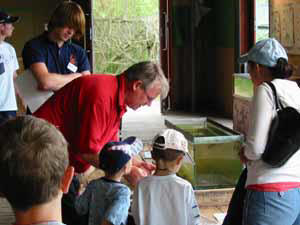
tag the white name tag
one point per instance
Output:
(72, 67)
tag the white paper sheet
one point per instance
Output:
(28, 88)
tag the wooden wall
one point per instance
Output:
(284, 26)
(224, 13)
(34, 15)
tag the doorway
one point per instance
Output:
(126, 32)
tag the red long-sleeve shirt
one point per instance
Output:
(88, 112)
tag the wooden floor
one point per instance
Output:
(207, 214)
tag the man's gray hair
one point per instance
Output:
(148, 72)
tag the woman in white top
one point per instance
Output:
(273, 194)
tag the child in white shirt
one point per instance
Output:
(165, 198)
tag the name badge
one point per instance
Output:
(72, 67)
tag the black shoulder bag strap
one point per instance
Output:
(277, 102)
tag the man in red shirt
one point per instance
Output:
(89, 109)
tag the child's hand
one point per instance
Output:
(142, 164)
(148, 166)
(138, 173)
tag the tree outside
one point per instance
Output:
(125, 32)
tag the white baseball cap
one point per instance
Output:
(173, 140)
(265, 52)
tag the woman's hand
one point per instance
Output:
(242, 156)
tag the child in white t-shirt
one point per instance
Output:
(165, 198)
(8, 67)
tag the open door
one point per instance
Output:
(176, 43)
(87, 42)
(165, 54)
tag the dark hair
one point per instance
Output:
(33, 161)
(112, 161)
(282, 70)
(166, 154)
(68, 14)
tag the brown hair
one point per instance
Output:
(167, 155)
(281, 70)
(68, 14)
(33, 160)
(148, 72)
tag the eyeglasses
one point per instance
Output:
(149, 98)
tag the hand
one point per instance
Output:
(139, 170)
(148, 167)
(135, 175)
(242, 156)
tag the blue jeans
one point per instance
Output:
(6, 115)
(272, 208)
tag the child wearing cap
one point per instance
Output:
(106, 199)
(8, 67)
(165, 198)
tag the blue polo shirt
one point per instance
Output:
(41, 49)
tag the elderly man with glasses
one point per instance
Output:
(88, 111)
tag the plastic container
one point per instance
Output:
(214, 149)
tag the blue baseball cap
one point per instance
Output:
(115, 155)
(265, 52)
(5, 18)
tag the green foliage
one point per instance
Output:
(243, 87)
(262, 34)
(125, 32)
(125, 8)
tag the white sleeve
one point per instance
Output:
(15, 59)
(135, 207)
(193, 209)
(262, 113)
(16, 63)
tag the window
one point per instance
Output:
(261, 19)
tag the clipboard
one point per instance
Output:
(28, 88)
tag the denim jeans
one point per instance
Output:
(275, 208)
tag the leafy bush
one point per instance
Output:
(125, 32)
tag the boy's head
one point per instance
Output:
(68, 15)
(6, 24)
(33, 162)
(169, 145)
(116, 155)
